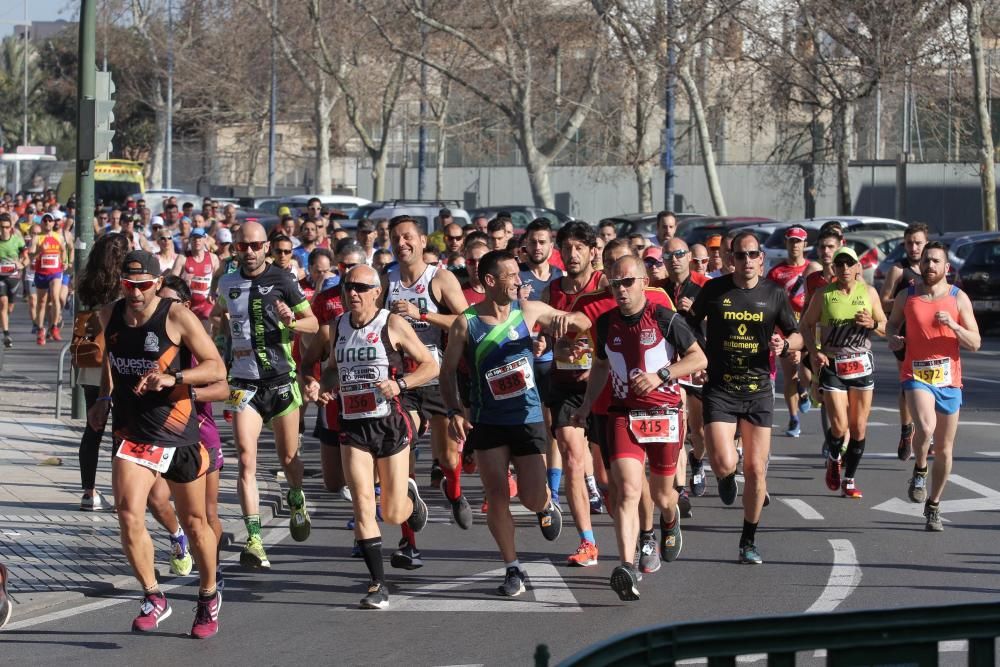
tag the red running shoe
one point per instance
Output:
(206, 617)
(152, 611)
(833, 474)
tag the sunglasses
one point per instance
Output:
(844, 262)
(615, 283)
(652, 262)
(700, 260)
(743, 255)
(347, 267)
(163, 238)
(360, 288)
(243, 246)
(141, 285)
(676, 254)
(454, 238)
(280, 251)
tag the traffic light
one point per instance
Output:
(104, 116)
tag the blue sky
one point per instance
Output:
(38, 10)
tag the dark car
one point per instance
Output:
(709, 227)
(521, 215)
(979, 277)
(644, 223)
(268, 220)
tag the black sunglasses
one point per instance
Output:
(844, 262)
(281, 251)
(652, 262)
(615, 283)
(743, 255)
(360, 288)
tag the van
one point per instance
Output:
(114, 180)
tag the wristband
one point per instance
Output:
(291, 325)
(104, 398)
(423, 315)
(453, 413)
(401, 383)
(784, 350)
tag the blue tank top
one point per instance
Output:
(502, 383)
(537, 287)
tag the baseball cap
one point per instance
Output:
(366, 225)
(147, 261)
(444, 213)
(845, 251)
(199, 231)
(796, 233)
(48, 215)
(223, 235)
(283, 211)
(653, 251)
(714, 241)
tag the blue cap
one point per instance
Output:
(198, 231)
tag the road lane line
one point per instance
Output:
(992, 455)
(844, 578)
(803, 509)
(969, 377)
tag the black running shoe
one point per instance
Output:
(418, 519)
(437, 474)
(624, 582)
(513, 583)
(684, 503)
(406, 557)
(377, 597)
(697, 467)
(904, 451)
(550, 521)
(729, 489)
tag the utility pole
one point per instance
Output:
(168, 140)
(668, 138)
(85, 94)
(272, 119)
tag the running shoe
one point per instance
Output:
(485, 507)
(585, 556)
(794, 429)
(649, 555)
(513, 583)
(849, 490)
(933, 514)
(356, 550)
(206, 617)
(220, 582)
(596, 503)
(56, 335)
(550, 521)
(625, 582)
(468, 461)
(918, 487)
(750, 555)
(684, 503)
(406, 557)
(832, 474)
(6, 606)
(345, 493)
(8, 342)
(805, 404)
(729, 488)
(767, 498)
(437, 474)
(511, 484)
(697, 467)
(34, 328)
(180, 556)
(153, 610)
(299, 524)
(95, 503)
(40, 339)
(460, 508)
(418, 519)
(377, 597)
(904, 451)
(253, 554)
(671, 541)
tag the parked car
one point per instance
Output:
(521, 215)
(979, 277)
(345, 203)
(761, 227)
(268, 220)
(259, 203)
(775, 251)
(871, 248)
(644, 223)
(155, 198)
(896, 254)
(424, 212)
(959, 250)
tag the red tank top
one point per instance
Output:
(791, 280)
(472, 297)
(566, 373)
(199, 277)
(931, 348)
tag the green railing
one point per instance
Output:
(907, 636)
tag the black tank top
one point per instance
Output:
(165, 418)
(908, 279)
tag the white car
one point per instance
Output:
(775, 246)
(345, 203)
(423, 212)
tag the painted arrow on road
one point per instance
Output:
(989, 500)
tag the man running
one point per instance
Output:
(266, 307)
(13, 258)
(149, 390)
(636, 346)
(790, 275)
(49, 261)
(666, 226)
(504, 423)
(365, 372)
(197, 269)
(902, 275)
(939, 322)
(742, 310)
(847, 312)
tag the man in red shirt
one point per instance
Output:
(474, 293)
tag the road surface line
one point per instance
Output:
(969, 377)
(992, 455)
(803, 509)
(844, 578)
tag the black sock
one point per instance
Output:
(749, 532)
(836, 445)
(919, 471)
(855, 450)
(664, 525)
(371, 551)
(647, 534)
(906, 429)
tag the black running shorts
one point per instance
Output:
(382, 437)
(563, 402)
(523, 439)
(721, 406)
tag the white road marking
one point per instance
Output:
(803, 509)
(844, 578)
(989, 500)
(992, 455)
(969, 377)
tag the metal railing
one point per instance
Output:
(60, 371)
(880, 636)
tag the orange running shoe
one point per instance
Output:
(55, 334)
(585, 556)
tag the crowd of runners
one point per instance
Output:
(558, 365)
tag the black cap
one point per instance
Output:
(444, 213)
(146, 260)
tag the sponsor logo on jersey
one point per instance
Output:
(130, 366)
(617, 341)
(512, 334)
(265, 289)
(372, 337)
(419, 289)
(743, 316)
(647, 337)
(727, 302)
(353, 354)
(858, 301)
(152, 342)
(234, 293)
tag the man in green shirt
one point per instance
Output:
(13, 258)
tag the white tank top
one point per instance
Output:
(419, 293)
(364, 360)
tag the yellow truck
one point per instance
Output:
(113, 181)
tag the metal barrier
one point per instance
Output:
(60, 370)
(879, 636)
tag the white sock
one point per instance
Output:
(515, 563)
(180, 531)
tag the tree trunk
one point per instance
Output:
(379, 159)
(644, 183)
(987, 175)
(538, 173)
(704, 139)
(154, 175)
(439, 164)
(843, 146)
(321, 120)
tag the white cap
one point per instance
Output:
(223, 235)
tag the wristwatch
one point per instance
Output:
(179, 377)
(452, 412)
(423, 314)
(784, 349)
(401, 382)
(664, 374)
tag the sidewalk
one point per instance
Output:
(55, 552)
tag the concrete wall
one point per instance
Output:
(945, 196)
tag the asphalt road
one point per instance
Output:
(822, 553)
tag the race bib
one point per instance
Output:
(8, 268)
(201, 286)
(409, 365)
(581, 364)
(935, 372)
(851, 366)
(661, 426)
(49, 262)
(239, 398)
(363, 401)
(148, 456)
(510, 380)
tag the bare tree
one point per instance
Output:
(987, 176)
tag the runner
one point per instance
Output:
(636, 346)
(365, 371)
(265, 307)
(197, 269)
(902, 275)
(428, 298)
(504, 423)
(146, 386)
(847, 312)
(49, 261)
(790, 276)
(666, 226)
(939, 321)
(473, 253)
(742, 311)
(13, 258)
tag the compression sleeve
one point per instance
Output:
(601, 335)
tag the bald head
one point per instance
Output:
(251, 231)
(629, 264)
(675, 244)
(362, 273)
